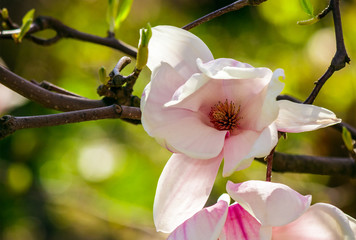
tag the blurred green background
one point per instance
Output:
(96, 180)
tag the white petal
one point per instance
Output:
(321, 222)
(273, 204)
(236, 150)
(241, 149)
(206, 224)
(178, 47)
(183, 188)
(296, 117)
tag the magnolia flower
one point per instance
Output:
(204, 110)
(265, 211)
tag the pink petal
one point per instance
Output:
(296, 117)
(156, 94)
(273, 204)
(205, 224)
(242, 148)
(236, 148)
(240, 225)
(261, 110)
(179, 130)
(321, 222)
(204, 90)
(177, 47)
(226, 68)
(190, 136)
(182, 190)
(352, 223)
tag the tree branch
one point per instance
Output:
(229, 8)
(340, 58)
(9, 124)
(57, 101)
(283, 162)
(63, 31)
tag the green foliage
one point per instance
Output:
(4, 13)
(26, 24)
(123, 12)
(102, 76)
(307, 7)
(117, 12)
(348, 141)
(142, 54)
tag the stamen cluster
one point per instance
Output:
(225, 116)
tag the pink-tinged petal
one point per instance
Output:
(156, 93)
(352, 222)
(321, 222)
(190, 136)
(205, 224)
(179, 130)
(236, 149)
(182, 190)
(273, 204)
(226, 68)
(202, 91)
(242, 148)
(177, 47)
(264, 143)
(269, 108)
(261, 110)
(297, 117)
(240, 225)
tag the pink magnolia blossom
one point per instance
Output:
(204, 110)
(266, 211)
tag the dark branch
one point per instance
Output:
(283, 162)
(9, 124)
(51, 87)
(340, 58)
(229, 8)
(44, 97)
(63, 31)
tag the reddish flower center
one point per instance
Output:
(225, 116)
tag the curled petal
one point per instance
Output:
(241, 149)
(239, 225)
(321, 222)
(273, 204)
(218, 83)
(296, 117)
(236, 149)
(177, 47)
(179, 130)
(156, 93)
(205, 224)
(182, 190)
(269, 108)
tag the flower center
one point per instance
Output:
(225, 116)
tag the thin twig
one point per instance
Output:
(313, 164)
(229, 8)
(269, 161)
(54, 88)
(63, 31)
(10, 124)
(340, 58)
